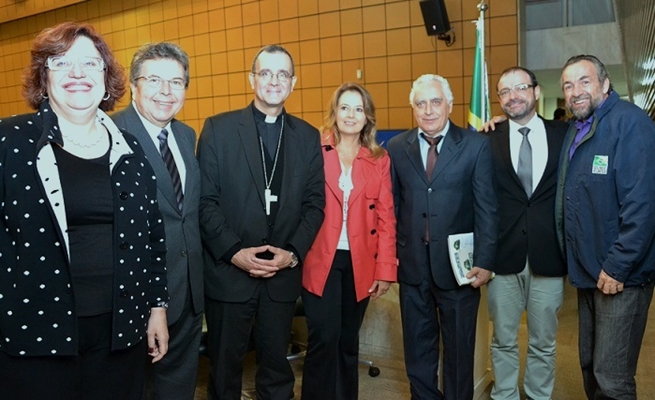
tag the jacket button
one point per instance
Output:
(429, 190)
(183, 253)
(375, 256)
(372, 206)
(124, 246)
(524, 231)
(265, 240)
(123, 195)
(124, 293)
(424, 215)
(373, 231)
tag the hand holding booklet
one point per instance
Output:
(460, 250)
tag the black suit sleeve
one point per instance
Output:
(313, 203)
(214, 229)
(485, 208)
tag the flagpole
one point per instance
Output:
(482, 7)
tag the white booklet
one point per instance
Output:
(460, 249)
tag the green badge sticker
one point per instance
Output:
(600, 165)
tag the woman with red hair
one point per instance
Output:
(82, 253)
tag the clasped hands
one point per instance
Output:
(247, 259)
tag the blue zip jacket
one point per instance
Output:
(605, 208)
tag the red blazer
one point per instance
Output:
(371, 224)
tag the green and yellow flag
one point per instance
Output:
(479, 104)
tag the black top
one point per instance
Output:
(269, 132)
(88, 197)
(270, 135)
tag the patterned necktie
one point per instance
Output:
(524, 168)
(432, 153)
(170, 165)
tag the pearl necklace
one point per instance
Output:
(84, 145)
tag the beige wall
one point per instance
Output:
(329, 39)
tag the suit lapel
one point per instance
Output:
(187, 151)
(361, 171)
(413, 152)
(332, 172)
(449, 150)
(247, 131)
(503, 132)
(291, 151)
(165, 183)
(553, 158)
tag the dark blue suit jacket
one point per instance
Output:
(459, 198)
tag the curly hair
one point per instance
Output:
(367, 135)
(56, 41)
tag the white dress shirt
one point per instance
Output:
(154, 131)
(425, 146)
(538, 142)
(346, 185)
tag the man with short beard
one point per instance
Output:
(605, 218)
(529, 267)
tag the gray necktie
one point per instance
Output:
(524, 169)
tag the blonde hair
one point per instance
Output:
(367, 135)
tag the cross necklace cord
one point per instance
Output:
(268, 196)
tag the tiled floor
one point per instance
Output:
(392, 383)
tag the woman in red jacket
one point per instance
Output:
(354, 255)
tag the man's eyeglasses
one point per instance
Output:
(156, 82)
(519, 89)
(266, 75)
(64, 63)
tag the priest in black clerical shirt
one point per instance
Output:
(261, 206)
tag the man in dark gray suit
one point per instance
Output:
(443, 184)
(159, 77)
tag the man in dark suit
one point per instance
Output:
(529, 267)
(159, 77)
(261, 206)
(443, 184)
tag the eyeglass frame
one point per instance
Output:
(49, 61)
(267, 75)
(519, 88)
(162, 80)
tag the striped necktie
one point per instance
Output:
(170, 165)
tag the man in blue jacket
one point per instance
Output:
(605, 216)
